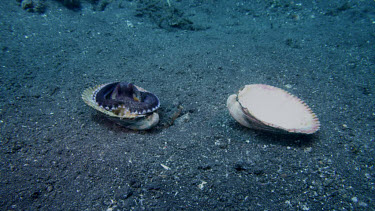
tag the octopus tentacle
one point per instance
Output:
(123, 95)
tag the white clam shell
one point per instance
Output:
(264, 107)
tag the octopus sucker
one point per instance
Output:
(125, 103)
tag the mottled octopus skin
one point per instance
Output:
(126, 95)
(124, 103)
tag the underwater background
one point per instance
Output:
(57, 153)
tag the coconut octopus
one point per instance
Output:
(124, 103)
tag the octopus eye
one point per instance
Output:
(136, 98)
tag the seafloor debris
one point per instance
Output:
(38, 6)
(165, 15)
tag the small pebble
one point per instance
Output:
(49, 188)
(355, 199)
(363, 204)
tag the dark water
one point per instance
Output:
(59, 154)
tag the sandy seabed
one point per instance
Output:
(59, 154)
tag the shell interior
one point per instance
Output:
(276, 108)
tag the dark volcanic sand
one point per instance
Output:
(59, 154)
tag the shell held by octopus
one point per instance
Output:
(268, 108)
(124, 103)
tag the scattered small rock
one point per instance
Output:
(355, 199)
(49, 188)
(204, 167)
(134, 184)
(363, 204)
(125, 193)
(33, 5)
(183, 119)
(240, 166)
(35, 195)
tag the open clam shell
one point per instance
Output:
(264, 107)
(124, 103)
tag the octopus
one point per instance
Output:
(125, 103)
